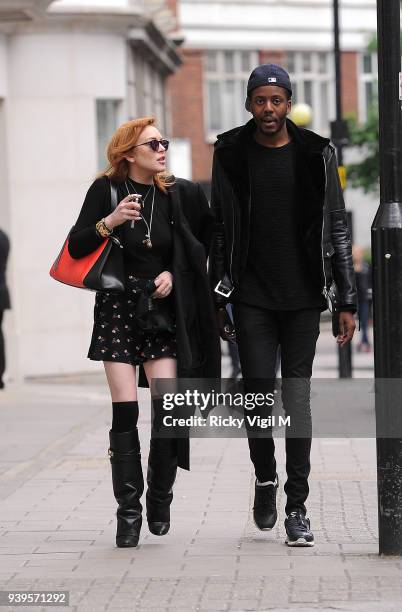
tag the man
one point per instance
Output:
(280, 240)
(4, 299)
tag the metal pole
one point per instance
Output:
(345, 352)
(338, 75)
(386, 235)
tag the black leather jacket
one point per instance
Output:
(321, 217)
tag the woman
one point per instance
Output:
(165, 241)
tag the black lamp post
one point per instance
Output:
(339, 137)
(386, 235)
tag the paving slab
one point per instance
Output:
(57, 523)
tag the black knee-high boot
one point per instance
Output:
(161, 475)
(128, 485)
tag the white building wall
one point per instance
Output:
(54, 80)
(274, 24)
(53, 68)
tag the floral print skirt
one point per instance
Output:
(116, 337)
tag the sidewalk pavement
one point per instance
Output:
(57, 522)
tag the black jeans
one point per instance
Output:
(259, 333)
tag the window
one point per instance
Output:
(226, 76)
(368, 63)
(368, 83)
(312, 81)
(148, 86)
(107, 121)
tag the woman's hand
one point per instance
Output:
(126, 210)
(164, 284)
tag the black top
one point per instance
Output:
(276, 274)
(138, 259)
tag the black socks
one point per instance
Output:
(125, 416)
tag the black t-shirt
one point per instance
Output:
(138, 258)
(276, 274)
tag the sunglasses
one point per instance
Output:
(154, 144)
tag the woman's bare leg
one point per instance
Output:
(165, 367)
(122, 381)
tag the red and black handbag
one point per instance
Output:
(101, 270)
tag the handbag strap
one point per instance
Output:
(113, 195)
(114, 202)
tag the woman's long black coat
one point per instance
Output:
(197, 333)
(198, 343)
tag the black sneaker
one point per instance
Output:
(264, 510)
(298, 530)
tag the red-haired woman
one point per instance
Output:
(165, 241)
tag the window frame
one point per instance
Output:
(148, 87)
(103, 139)
(239, 75)
(363, 78)
(316, 77)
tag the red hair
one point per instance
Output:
(121, 144)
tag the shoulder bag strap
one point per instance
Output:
(114, 202)
(113, 195)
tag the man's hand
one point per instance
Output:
(347, 328)
(226, 328)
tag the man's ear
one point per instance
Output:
(247, 105)
(289, 108)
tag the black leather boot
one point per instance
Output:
(128, 485)
(162, 468)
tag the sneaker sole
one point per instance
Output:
(299, 542)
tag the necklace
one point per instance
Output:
(131, 183)
(147, 242)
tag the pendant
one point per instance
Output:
(147, 243)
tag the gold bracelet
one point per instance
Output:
(102, 229)
(107, 227)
